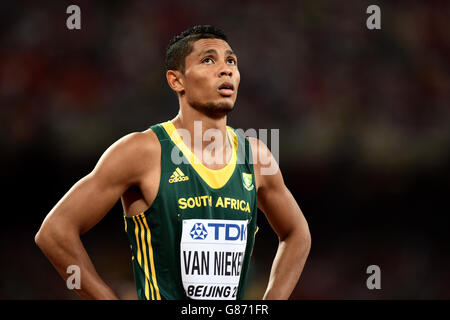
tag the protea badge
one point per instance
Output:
(247, 180)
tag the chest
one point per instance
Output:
(184, 190)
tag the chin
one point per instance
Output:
(216, 109)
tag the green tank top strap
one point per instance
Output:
(159, 131)
(244, 151)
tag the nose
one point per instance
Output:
(225, 71)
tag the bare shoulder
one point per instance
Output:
(130, 157)
(264, 163)
(138, 143)
(257, 147)
(135, 145)
(261, 154)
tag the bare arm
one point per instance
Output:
(85, 204)
(286, 219)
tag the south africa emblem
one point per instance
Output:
(247, 181)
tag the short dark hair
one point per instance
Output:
(182, 45)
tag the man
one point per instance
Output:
(190, 210)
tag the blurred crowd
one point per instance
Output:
(311, 67)
(364, 119)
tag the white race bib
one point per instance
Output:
(212, 253)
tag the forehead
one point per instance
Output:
(206, 44)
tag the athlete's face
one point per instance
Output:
(211, 77)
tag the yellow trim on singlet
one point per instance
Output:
(136, 233)
(152, 262)
(139, 227)
(216, 179)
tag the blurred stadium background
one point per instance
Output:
(364, 123)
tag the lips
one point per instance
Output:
(226, 89)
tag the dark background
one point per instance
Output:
(364, 123)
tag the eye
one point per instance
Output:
(232, 60)
(207, 60)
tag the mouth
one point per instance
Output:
(226, 89)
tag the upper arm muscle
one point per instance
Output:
(274, 198)
(88, 201)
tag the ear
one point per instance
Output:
(175, 80)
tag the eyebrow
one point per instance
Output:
(229, 52)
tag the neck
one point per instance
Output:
(188, 115)
(205, 134)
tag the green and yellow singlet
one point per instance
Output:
(195, 240)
